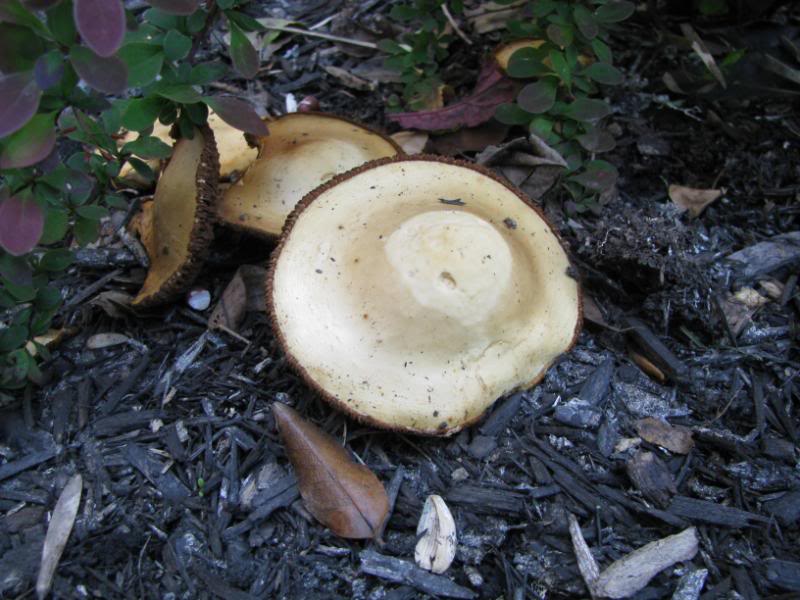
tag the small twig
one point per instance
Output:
(328, 36)
(452, 21)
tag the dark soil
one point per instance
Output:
(187, 490)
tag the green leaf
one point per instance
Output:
(390, 47)
(56, 260)
(713, 7)
(141, 113)
(560, 66)
(94, 212)
(161, 19)
(148, 147)
(55, 226)
(587, 109)
(542, 8)
(176, 45)
(614, 12)
(29, 145)
(226, 4)
(142, 168)
(13, 337)
(205, 73)
(527, 62)
(404, 12)
(19, 48)
(560, 35)
(180, 93)
(604, 73)
(144, 63)
(196, 21)
(511, 114)
(86, 230)
(245, 22)
(20, 363)
(115, 201)
(244, 56)
(198, 113)
(602, 51)
(599, 176)
(585, 21)
(537, 97)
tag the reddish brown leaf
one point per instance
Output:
(492, 89)
(230, 309)
(175, 7)
(109, 75)
(19, 99)
(343, 495)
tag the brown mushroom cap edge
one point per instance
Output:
(206, 180)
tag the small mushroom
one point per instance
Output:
(403, 295)
(177, 226)
(235, 154)
(302, 151)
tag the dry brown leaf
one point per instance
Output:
(646, 365)
(347, 79)
(58, 533)
(114, 303)
(341, 494)
(672, 437)
(230, 309)
(412, 142)
(470, 139)
(436, 531)
(693, 199)
(254, 277)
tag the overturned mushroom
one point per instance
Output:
(413, 292)
(235, 154)
(176, 228)
(302, 151)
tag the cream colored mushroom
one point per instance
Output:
(302, 151)
(413, 292)
(235, 154)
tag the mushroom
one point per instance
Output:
(235, 154)
(302, 151)
(177, 226)
(413, 291)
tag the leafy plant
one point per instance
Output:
(59, 131)
(418, 55)
(569, 61)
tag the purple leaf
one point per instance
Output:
(491, 90)
(19, 99)
(30, 144)
(21, 225)
(49, 69)
(101, 24)
(245, 58)
(238, 114)
(175, 7)
(109, 75)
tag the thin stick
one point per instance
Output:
(324, 36)
(458, 31)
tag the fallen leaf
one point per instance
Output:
(492, 89)
(672, 437)
(702, 51)
(114, 303)
(58, 531)
(254, 277)
(106, 340)
(436, 533)
(491, 16)
(412, 142)
(646, 365)
(629, 574)
(341, 494)
(592, 311)
(230, 309)
(692, 199)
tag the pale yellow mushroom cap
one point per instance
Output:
(413, 292)
(302, 151)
